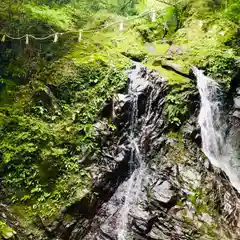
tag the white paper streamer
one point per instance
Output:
(80, 36)
(154, 16)
(121, 26)
(55, 37)
(27, 39)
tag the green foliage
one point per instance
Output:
(56, 93)
(176, 14)
(178, 100)
(46, 134)
(221, 67)
(202, 8)
(151, 31)
(213, 53)
(57, 17)
(177, 103)
(215, 8)
(5, 231)
(46, 124)
(232, 11)
(40, 157)
(171, 17)
(125, 7)
(19, 61)
(166, 25)
(6, 89)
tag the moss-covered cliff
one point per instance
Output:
(53, 94)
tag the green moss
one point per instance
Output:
(177, 152)
(46, 144)
(179, 95)
(176, 135)
(6, 232)
(151, 31)
(199, 199)
(46, 124)
(205, 44)
(173, 78)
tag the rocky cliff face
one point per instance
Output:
(151, 182)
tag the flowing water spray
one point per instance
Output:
(142, 125)
(136, 159)
(216, 146)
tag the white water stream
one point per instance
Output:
(215, 144)
(135, 182)
(143, 103)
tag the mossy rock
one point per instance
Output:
(135, 56)
(173, 66)
(178, 101)
(6, 232)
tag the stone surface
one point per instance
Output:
(16, 230)
(163, 192)
(237, 102)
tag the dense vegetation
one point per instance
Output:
(51, 94)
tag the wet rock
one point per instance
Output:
(15, 229)
(146, 92)
(44, 96)
(158, 234)
(237, 102)
(191, 130)
(190, 175)
(163, 192)
(236, 106)
(236, 114)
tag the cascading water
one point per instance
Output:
(215, 144)
(134, 183)
(141, 126)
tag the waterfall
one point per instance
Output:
(139, 119)
(215, 143)
(141, 125)
(136, 162)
